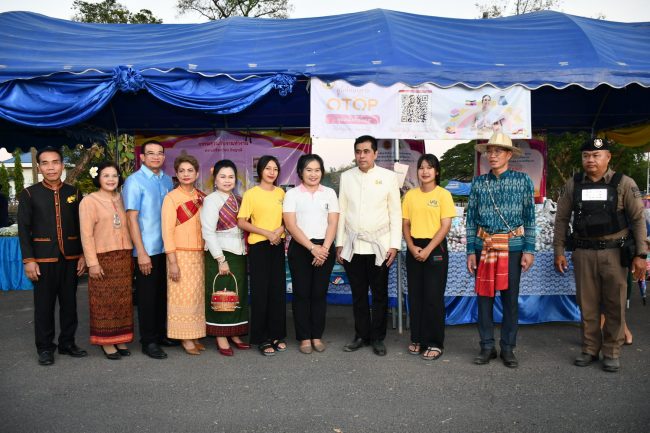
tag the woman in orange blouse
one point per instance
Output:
(107, 249)
(181, 232)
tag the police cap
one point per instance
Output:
(594, 144)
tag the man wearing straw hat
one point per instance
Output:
(501, 232)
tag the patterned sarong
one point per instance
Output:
(187, 210)
(492, 274)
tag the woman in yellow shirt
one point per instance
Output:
(426, 219)
(181, 232)
(260, 215)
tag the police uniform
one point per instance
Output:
(48, 229)
(607, 215)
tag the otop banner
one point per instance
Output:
(243, 148)
(341, 110)
(532, 162)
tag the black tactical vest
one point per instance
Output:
(596, 217)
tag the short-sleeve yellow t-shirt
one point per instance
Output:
(425, 210)
(263, 208)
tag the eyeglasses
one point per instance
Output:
(154, 154)
(495, 152)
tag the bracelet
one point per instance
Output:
(224, 262)
(221, 259)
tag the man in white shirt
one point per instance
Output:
(368, 238)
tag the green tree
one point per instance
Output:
(110, 11)
(458, 163)
(219, 9)
(501, 8)
(4, 181)
(564, 160)
(19, 179)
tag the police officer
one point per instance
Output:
(607, 218)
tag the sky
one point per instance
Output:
(620, 10)
(338, 152)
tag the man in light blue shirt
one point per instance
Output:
(143, 195)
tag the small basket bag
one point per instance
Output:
(224, 301)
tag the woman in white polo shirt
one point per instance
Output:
(311, 213)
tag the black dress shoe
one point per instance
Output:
(72, 350)
(379, 348)
(509, 359)
(123, 352)
(168, 342)
(584, 359)
(112, 356)
(485, 356)
(355, 344)
(46, 357)
(153, 350)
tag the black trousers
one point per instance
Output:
(510, 304)
(362, 272)
(58, 280)
(426, 294)
(268, 292)
(151, 293)
(310, 285)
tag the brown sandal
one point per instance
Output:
(415, 348)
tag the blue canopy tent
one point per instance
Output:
(457, 187)
(584, 74)
(69, 79)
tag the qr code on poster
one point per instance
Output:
(414, 108)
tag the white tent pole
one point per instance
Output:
(399, 264)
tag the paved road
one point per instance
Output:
(329, 392)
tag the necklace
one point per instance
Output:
(117, 221)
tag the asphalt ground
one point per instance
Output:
(331, 391)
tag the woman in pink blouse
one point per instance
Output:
(107, 249)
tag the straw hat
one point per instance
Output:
(501, 140)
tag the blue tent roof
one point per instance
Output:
(457, 187)
(381, 46)
(229, 73)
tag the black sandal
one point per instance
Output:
(437, 353)
(276, 345)
(264, 347)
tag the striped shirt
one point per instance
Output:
(513, 193)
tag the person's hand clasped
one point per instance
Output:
(320, 252)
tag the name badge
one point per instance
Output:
(599, 194)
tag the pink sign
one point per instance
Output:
(243, 148)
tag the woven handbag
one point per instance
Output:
(224, 301)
